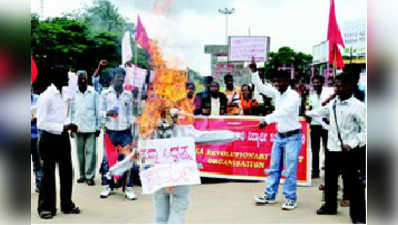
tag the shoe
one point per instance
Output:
(325, 211)
(90, 182)
(289, 204)
(105, 193)
(262, 199)
(46, 215)
(81, 180)
(74, 210)
(130, 195)
(345, 203)
(315, 176)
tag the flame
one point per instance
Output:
(166, 91)
(162, 7)
(168, 88)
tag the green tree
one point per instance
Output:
(287, 56)
(103, 16)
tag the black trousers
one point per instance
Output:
(317, 133)
(36, 161)
(55, 149)
(353, 165)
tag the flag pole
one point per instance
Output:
(334, 62)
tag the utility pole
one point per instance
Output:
(42, 7)
(226, 12)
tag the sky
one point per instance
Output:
(189, 25)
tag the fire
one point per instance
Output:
(162, 6)
(167, 91)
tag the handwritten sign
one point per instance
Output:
(135, 77)
(174, 162)
(244, 48)
(167, 151)
(168, 175)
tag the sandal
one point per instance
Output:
(46, 215)
(74, 210)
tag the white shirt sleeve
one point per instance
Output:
(287, 109)
(320, 112)
(42, 120)
(265, 89)
(360, 119)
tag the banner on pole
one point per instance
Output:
(243, 48)
(126, 48)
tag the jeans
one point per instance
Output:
(127, 179)
(171, 208)
(288, 150)
(122, 138)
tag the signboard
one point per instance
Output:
(320, 53)
(354, 36)
(243, 48)
(174, 163)
(248, 158)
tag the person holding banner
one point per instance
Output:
(232, 93)
(116, 111)
(248, 103)
(287, 143)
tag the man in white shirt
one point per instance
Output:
(116, 110)
(287, 143)
(346, 145)
(55, 147)
(84, 113)
(318, 126)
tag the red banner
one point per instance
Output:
(249, 157)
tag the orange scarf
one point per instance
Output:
(248, 104)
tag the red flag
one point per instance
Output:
(140, 35)
(335, 38)
(33, 70)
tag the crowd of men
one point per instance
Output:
(337, 117)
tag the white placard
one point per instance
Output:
(174, 162)
(244, 48)
(167, 151)
(169, 175)
(135, 76)
(126, 48)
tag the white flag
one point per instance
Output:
(126, 48)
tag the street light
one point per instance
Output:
(226, 12)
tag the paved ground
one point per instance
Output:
(213, 202)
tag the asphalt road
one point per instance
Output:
(213, 202)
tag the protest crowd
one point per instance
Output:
(336, 116)
(154, 128)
